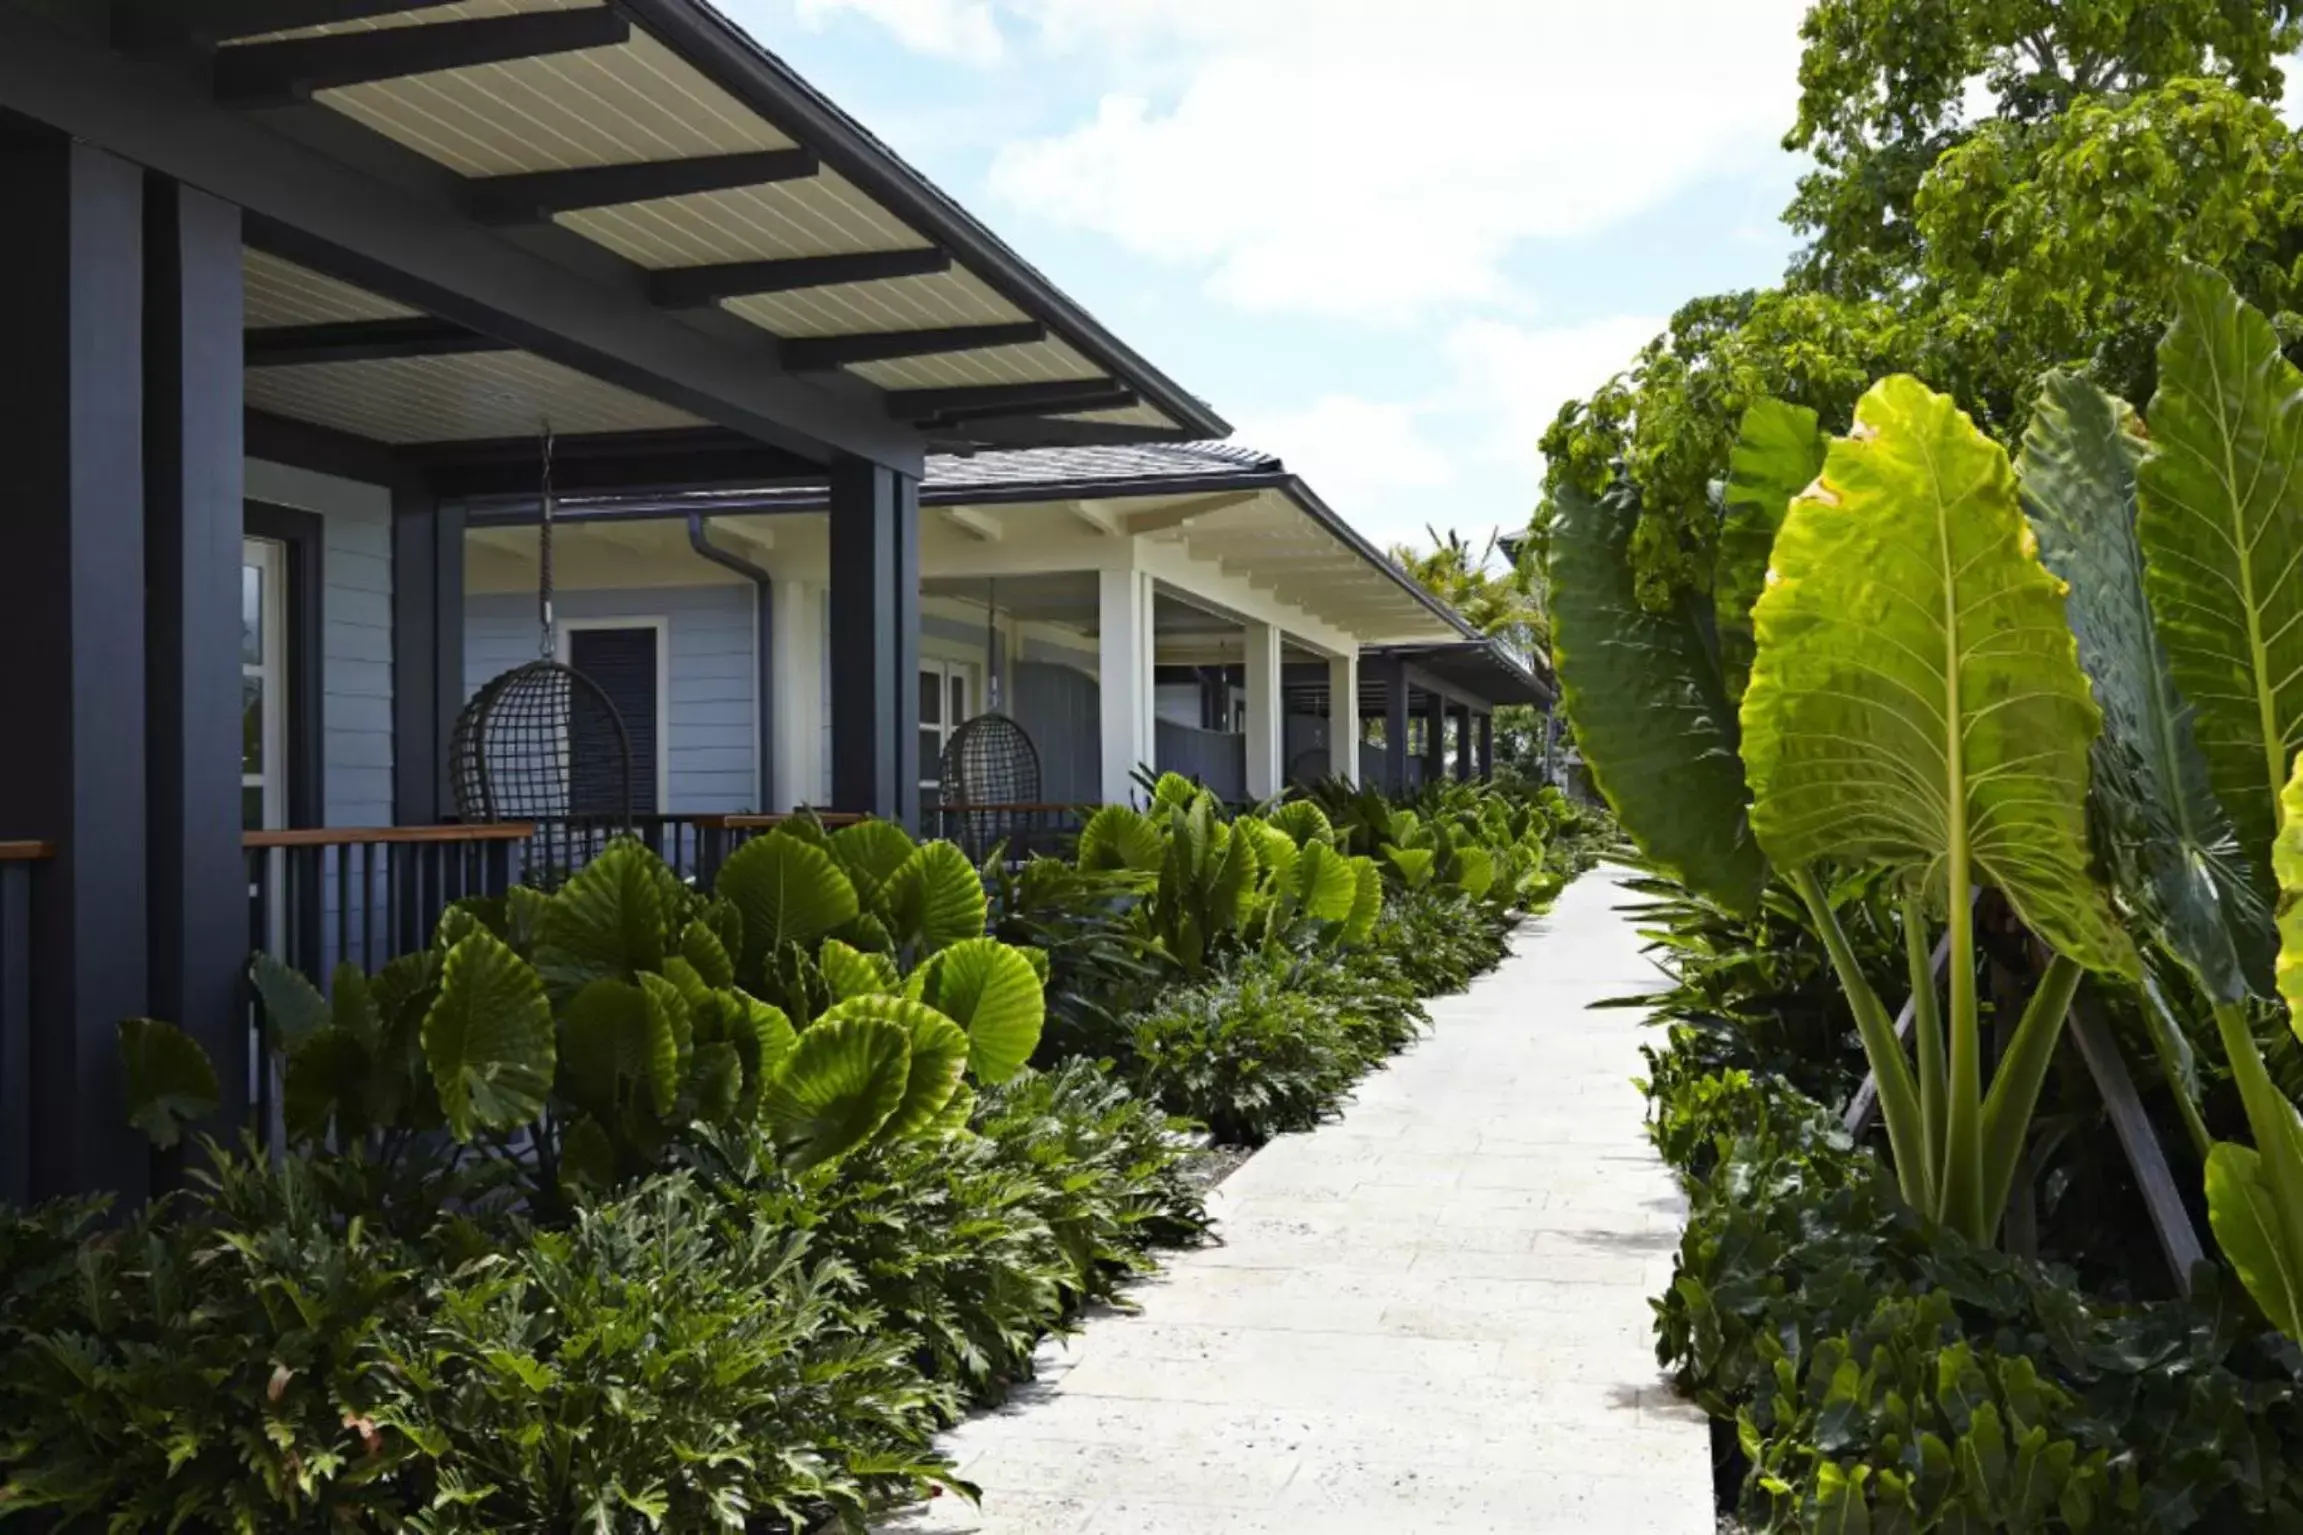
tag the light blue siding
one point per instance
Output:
(1059, 708)
(713, 731)
(356, 678)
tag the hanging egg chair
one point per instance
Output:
(989, 762)
(543, 742)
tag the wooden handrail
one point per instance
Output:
(26, 852)
(766, 822)
(358, 836)
(1036, 807)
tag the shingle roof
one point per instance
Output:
(1137, 461)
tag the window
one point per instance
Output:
(947, 697)
(263, 683)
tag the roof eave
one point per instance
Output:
(729, 55)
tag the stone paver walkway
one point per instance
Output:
(1429, 1316)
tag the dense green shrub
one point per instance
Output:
(1245, 1053)
(1955, 1386)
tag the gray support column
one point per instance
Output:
(193, 496)
(427, 651)
(875, 613)
(1395, 728)
(1487, 746)
(1463, 747)
(72, 628)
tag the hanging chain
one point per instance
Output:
(992, 646)
(550, 644)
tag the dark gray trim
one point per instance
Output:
(427, 650)
(926, 404)
(763, 675)
(305, 536)
(984, 421)
(821, 354)
(742, 67)
(648, 462)
(72, 606)
(282, 346)
(321, 449)
(697, 287)
(875, 641)
(143, 26)
(282, 73)
(1434, 734)
(193, 468)
(1487, 746)
(533, 197)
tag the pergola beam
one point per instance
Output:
(981, 526)
(1117, 399)
(927, 404)
(821, 354)
(284, 73)
(1053, 432)
(149, 26)
(364, 341)
(1184, 513)
(533, 197)
(699, 287)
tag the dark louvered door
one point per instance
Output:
(623, 663)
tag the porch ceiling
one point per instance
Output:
(464, 396)
(728, 185)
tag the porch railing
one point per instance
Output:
(695, 846)
(1025, 828)
(322, 895)
(19, 864)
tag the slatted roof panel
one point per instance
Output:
(278, 292)
(641, 102)
(469, 397)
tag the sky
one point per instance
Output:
(1385, 239)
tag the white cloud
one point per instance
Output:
(967, 30)
(1517, 377)
(1378, 158)
(1464, 457)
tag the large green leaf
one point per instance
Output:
(1366, 902)
(851, 972)
(1649, 705)
(1326, 884)
(1304, 821)
(1917, 701)
(330, 1078)
(1118, 837)
(616, 1043)
(841, 1082)
(992, 991)
(1121, 838)
(2245, 1218)
(2161, 830)
(488, 1037)
(170, 1080)
(939, 1055)
(871, 852)
(609, 920)
(2222, 532)
(936, 898)
(788, 891)
(292, 1003)
(1778, 453)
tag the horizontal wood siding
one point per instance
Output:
(1060, 709)
(1216, 759)
(713, 751)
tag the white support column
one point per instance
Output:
(1266, 713)
(1124, 650)
(798, 693)
(1343, 716)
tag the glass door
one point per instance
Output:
(947, 701)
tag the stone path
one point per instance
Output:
(1429, 1316)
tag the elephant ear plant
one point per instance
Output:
(1914, 705)
(581, 1036)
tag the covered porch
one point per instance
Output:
(296, 285)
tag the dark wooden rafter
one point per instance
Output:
(149, 26)
(975, 399)
(1055, 432)
(1110, 399)
(365, 341)
(533, 197)
(697, 287)
(820, 354)
(602, 463)
(286, 72)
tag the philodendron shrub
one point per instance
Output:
(831, 990)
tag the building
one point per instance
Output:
(294, 294)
